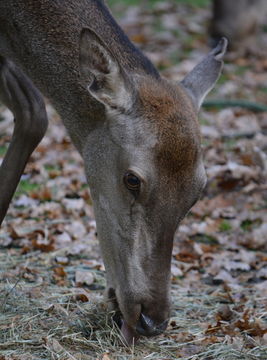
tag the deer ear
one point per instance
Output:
(204, 76)
(107, 81)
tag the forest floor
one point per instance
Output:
(51, 272)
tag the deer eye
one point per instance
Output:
(132, 182)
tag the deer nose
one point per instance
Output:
(147, 326)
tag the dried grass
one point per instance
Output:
(41, 320)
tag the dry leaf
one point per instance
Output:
(84, 277)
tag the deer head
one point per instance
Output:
(145, 171)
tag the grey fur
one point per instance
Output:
(122, 116)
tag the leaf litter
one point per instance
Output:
(51, 272)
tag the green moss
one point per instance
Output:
(130, 2)
(194, 3)
(263, 89)
(205, 239)
(203, 121)
(229, 143)
(49, 167)
(222, 79)
(225, 226)
(248, 224)
(26, 187)
(3, 150)
(242, 69)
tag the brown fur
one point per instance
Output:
(174, 120)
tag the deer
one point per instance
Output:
(137, 133)
(240, 22)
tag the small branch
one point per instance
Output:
(253, 106)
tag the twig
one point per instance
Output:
(253, 106)
(2, 305)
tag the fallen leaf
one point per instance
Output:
(84, 277)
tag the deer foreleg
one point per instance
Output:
(27, 105)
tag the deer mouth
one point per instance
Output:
(144, 325)
(129, 334)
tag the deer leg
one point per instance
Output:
(27, 105)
